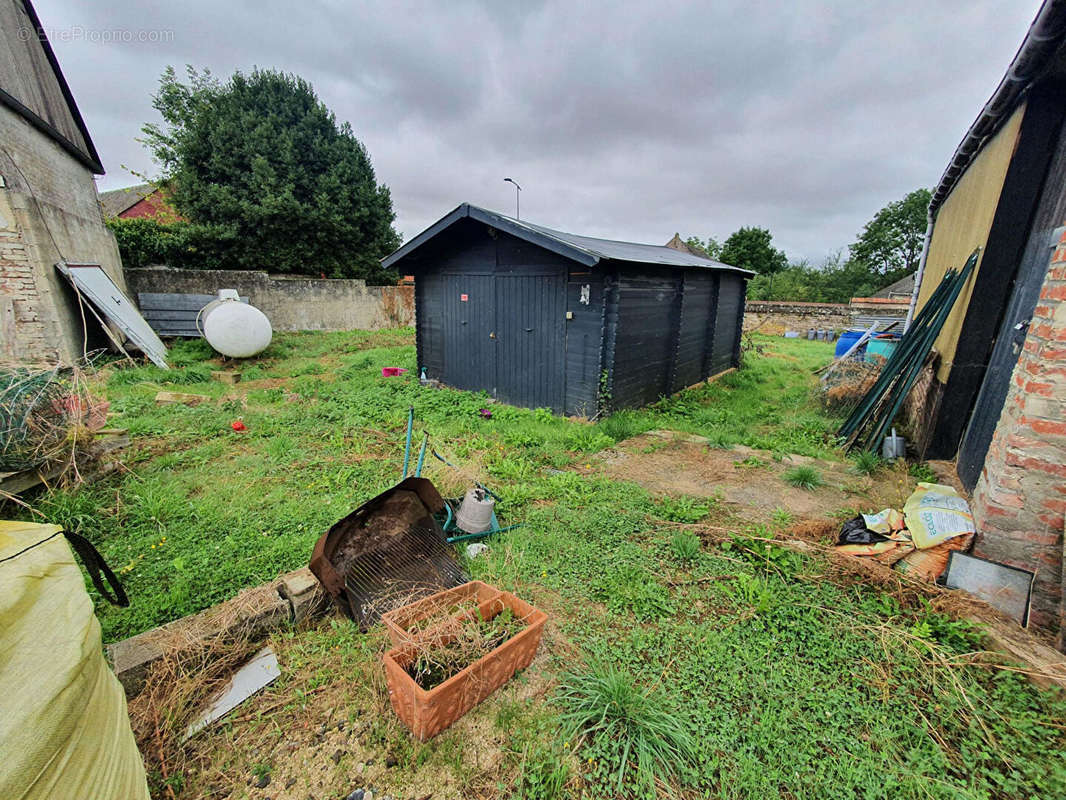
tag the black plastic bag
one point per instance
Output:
(856, 532)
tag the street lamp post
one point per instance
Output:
(517, 194)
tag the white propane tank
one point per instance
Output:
(233, 328)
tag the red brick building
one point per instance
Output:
(995, 398)
(142, 200)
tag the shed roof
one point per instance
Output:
(585, 250)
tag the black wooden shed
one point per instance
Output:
(545, 319)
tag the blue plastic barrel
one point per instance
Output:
(847, 339)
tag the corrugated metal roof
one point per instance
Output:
(583, 249)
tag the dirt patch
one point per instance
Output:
(264, 383)
(750, 483)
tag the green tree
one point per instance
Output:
(751, 248)
(891, 243)
(267, 178)
(711, 247)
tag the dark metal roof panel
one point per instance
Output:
(583, 249)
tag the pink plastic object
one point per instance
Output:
(392, 372)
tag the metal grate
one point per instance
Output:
(408, 567)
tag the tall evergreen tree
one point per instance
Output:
(268, 179)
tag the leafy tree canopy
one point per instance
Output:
(834, 281)
(751, 248)
(711, 247)
(891, 243)
(267, 178)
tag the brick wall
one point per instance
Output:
(1020, 497)
(23, 335)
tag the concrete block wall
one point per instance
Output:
(291, 303)
(49, 212)
(1020, 498)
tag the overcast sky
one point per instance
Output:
(628, 120)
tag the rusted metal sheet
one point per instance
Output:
(388, 552)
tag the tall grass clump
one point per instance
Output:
(628, 730)
(804, 477)
(866, 463)
(685, 546)
(623, 425)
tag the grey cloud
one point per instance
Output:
(629, 120)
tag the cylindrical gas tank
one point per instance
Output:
(233, 328)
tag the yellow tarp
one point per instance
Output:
(64, 729)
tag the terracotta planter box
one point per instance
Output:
(428, 712)
(405, 624)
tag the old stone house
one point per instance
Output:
(49, 211)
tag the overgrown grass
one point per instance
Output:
(793, 685)
(631, 729)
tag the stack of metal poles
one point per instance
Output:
(872, 418)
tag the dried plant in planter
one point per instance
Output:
(417, 617)
(457, 662)
(458, 644)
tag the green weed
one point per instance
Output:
(623, 425)
(804, 477)
(685, 546)
(543, 771)
(922, 472)
(587, 440)
(782, 518)
(629, 589)
(626, 731)
(684, 509)
(754, 592)
(866, 463)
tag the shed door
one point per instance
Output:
(530, 314)
(468, 323)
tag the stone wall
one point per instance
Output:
(290, 303)
(1020, 497)
(49, 212)
(774, 317)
